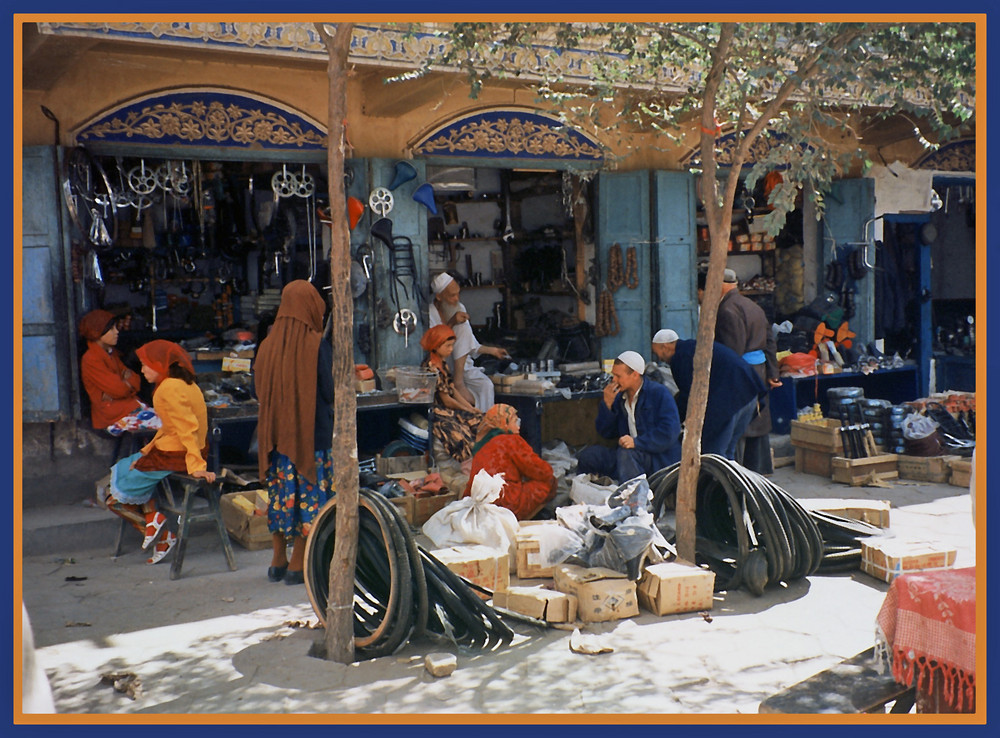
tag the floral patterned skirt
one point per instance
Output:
(293, 501)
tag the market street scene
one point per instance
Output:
(495, 369)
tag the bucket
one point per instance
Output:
(415, 385)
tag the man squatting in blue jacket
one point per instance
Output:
(642, 415)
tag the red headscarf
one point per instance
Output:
(159, 355)
(285, 376)
(500, 417)
(432, 339)
(95, 324)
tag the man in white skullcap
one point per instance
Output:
(470, 380)
(641, 416)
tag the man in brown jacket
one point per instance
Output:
(742, 326)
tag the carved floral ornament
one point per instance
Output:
(956, 156)
(206, 117)
(509, 133)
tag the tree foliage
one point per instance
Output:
(810, 91)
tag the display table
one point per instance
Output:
(548, 416)
(895, 385)
(927, 631)
(231, 426)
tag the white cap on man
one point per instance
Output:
(440, 282)
(729, 276)
(633, 360)
(665, 335)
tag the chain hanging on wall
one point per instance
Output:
(631, 268)
(607, 315)
(616, 270)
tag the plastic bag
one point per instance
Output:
(475, 519)
(585, 492)
(556, 544)
(560, 459)
(916, 426)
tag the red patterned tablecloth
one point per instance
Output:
(927, 627)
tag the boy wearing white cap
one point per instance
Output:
(470, 380)
(642, 416)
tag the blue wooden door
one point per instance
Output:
(623, 218)
(675, 260)
(849, 205)
(48, 362)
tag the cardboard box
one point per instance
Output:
(482, 565)
(602, 594)
(887, 558)
(873, 512)
(857, 472)
(539, 603)
(675, 586)
(821, 436)
(364, 385)
(417, 510)
(245, 524)
(925, 468)
(526, 539)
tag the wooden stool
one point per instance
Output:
(184, 508)
(855, 685)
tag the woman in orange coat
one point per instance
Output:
(529, 481)
(112, 387)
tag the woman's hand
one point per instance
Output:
(205, 474)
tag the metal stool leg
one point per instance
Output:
(187, 515)
(120, 538)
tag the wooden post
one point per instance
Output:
(339, 640)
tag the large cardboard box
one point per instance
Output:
(529, 565)
(244, 514)
(887, 558)
(675, 586)
(602, 594)
(539, 603)
(482, 565)
(873, 512)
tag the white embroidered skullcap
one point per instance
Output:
(633, 360)
(665, 335)
(440, 282)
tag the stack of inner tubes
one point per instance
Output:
(753, 534)
(400, 590)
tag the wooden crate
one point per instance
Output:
(857, 472)
(925, 468)
(823, 436)
(961, 472)
(418, 509)
(808, 461)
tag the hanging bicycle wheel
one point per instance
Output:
(90, 199)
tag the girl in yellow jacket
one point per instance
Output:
(178, 446)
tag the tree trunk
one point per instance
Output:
(339, 640)
(719, 226)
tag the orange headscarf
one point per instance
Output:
(95, 324)
(285, 377)
(158, 355)
(500, 417)
(432, 339)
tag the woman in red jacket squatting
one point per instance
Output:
(529, 481)
(112, 387)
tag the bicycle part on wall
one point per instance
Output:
(90, 198)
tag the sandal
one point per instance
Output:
(163, 547)
(153, 528)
